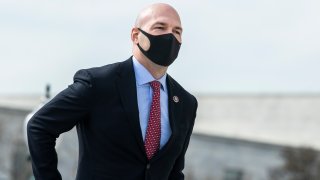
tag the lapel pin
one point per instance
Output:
(175, 99)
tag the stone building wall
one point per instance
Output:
(13, 151)
(218, 158)
(14, 157)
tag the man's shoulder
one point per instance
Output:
(102, 71)
(105, 71)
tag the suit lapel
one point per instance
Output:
(126, 84)
(173, 106)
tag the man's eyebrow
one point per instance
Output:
(178, 28)
(159, 23)
(164, 24)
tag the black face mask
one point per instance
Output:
(164, 49)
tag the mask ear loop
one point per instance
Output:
(148, 36)
(145, 33)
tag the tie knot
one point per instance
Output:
(155, 85)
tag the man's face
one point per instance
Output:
(160, 21)
(164, 23)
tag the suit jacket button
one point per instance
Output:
(148, 166)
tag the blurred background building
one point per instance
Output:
(236, 137)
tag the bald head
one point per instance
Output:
(154, 11)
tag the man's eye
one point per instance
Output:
(159, 27)
(178, 32)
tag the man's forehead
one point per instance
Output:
(167, 14)
(164, 18)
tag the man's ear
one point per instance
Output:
(134, 35)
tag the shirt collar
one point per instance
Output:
(143, 76)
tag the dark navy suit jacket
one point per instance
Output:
(102, 104)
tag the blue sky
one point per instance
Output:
(230, 46)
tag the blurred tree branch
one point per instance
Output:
(299, 164)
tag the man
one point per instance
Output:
(133, 120)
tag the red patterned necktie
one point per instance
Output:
(152, 141)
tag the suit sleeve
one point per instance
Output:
(59, 115)
(176, 173)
